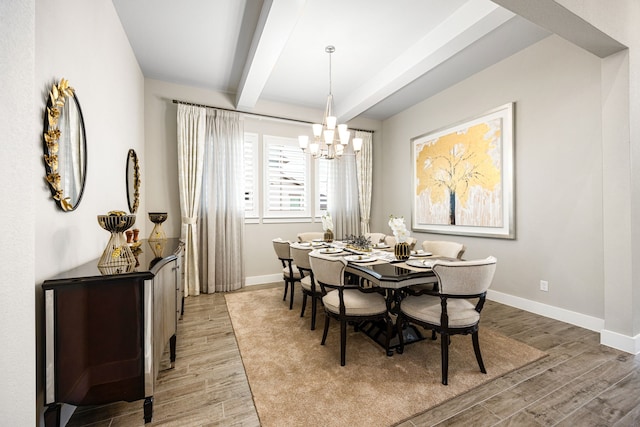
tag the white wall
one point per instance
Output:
(558, 169)
(84, 42)
(18, 163)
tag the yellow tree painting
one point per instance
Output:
(458, 175)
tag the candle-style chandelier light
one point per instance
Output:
(329, 138)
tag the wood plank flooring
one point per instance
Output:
(580, 383)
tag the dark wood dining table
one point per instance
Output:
(392, 276)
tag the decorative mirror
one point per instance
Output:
(133, 181)
(65, 146)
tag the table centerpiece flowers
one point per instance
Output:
(401, 249)
(327, 226)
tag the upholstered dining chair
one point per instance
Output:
(449, 310)
(391, 241)
(309, 236)
(444, 248)
(290, 273)
(300, 257)
(346, 303)
(375, 237)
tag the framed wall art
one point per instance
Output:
(463, 177)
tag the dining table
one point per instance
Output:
(379, 267)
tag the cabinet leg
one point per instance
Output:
(172, 350)
(52, 415)
(148, 409)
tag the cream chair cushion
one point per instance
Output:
(427, 308)
(309, 236)
(306, 284)
(444, 248)
(356, 303)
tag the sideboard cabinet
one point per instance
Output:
(105, 334)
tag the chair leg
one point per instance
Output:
(444, 351)
(304, 304)
(343, 342)
(399, 327)
(314, 310)
(476, 349)
(387, 320)
(291, 296)
(326, 329)
(286, 288)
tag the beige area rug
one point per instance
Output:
(297, 382)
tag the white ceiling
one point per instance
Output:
(389, 54)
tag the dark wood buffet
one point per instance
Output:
(105, 334)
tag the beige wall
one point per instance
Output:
(18, 163)
(84, 42)
(558, 170)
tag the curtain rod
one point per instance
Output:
(176, 101)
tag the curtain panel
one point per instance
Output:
(364, 168)
(221, 223)
(191, 139)
(343, 200)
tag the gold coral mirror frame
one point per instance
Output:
(65, 146)
(133, 181)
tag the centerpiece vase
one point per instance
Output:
(328, 236)
(402, 251)
(117, 256)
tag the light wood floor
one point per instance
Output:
(580, 383)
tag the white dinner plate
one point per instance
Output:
(359, 258)
(420, 263)
(381, 246)
(318, 240)
(304, 244)
(330, 251)
(421, 254)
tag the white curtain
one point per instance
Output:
(191, 139)
(222, 211)
(364, 167)
(342, 201)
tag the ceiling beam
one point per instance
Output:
(277, 20)
(470, 22)
(559, 20)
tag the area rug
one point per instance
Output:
(297, 382)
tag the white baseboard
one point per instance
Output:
(568, 316)
(610, 339)
(621, 342)
(260, 280)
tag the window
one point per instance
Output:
(322, 185)
(285, 186)
(251, 175)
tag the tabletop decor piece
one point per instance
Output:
(402, 249)
(359, 243)
(327, 226)
(463, 177)
(117, 256)
(157, 218)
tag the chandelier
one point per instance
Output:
(329, 138)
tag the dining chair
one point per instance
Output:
(449, 310)
(346, 303)
(290, 273)
(444, 248)
(375, 237)
(308, 285)
(309, 236)
(391, 241)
